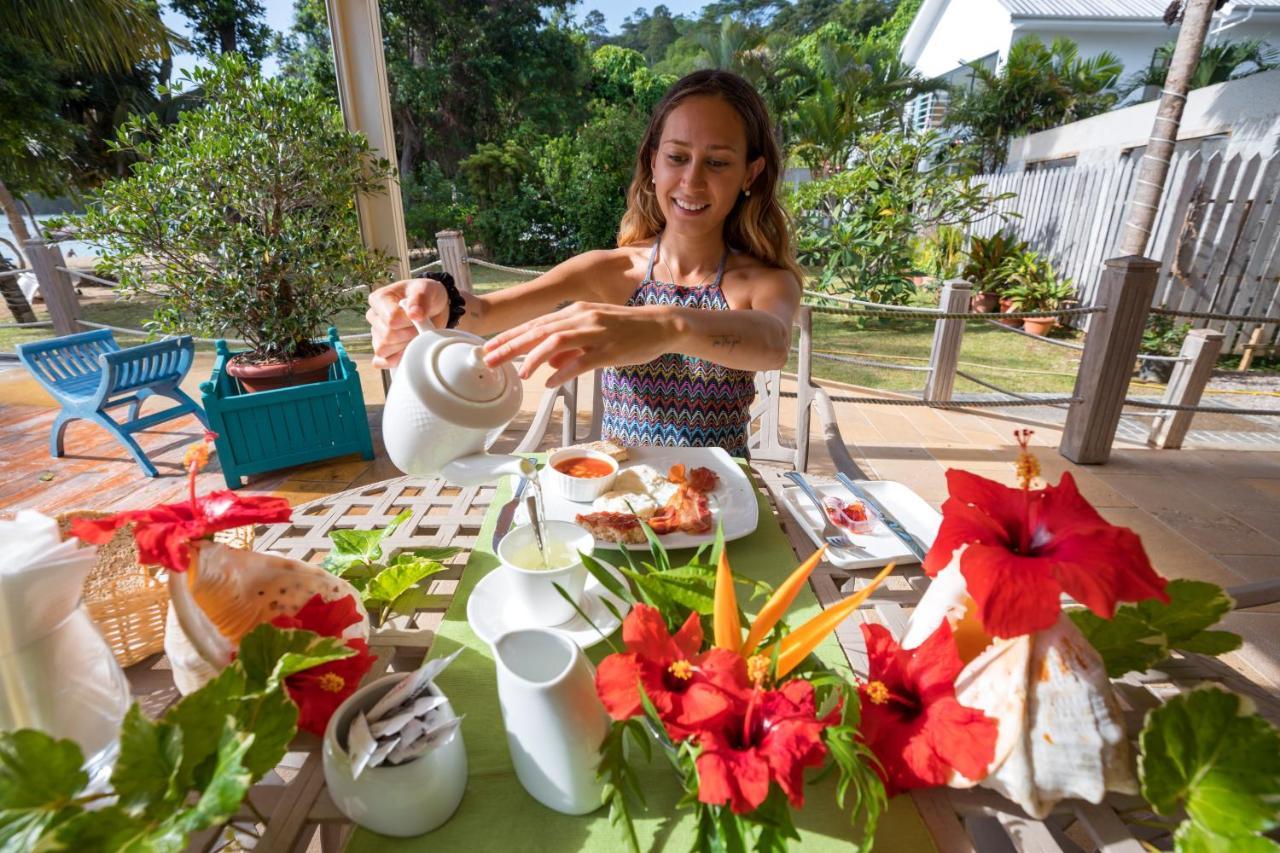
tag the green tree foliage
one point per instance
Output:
(1038, 87)
(1219, 62)
(227, 26)
(856, 226)
(651, 33)
(246, 208)
(306, 53)
(98, 35)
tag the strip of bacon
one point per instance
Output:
(704, 479)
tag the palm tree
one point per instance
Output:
(1219, 62)
(1164, 131)
(727, 45)
(96, 35)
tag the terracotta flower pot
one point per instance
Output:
(985, 302)
(282, 374)
(1039, 325)
(1006, 305)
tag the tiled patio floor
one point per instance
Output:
(1212, 514)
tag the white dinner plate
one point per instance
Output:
(733, 503)
(490, 616)
(880, 546)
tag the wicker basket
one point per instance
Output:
(125, 598)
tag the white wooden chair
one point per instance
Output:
(766, 442)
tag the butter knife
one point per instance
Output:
(507, 514)
(895, 526)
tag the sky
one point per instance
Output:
(280, 18)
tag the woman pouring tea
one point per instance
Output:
(699, 294)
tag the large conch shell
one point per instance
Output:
(1060, 727)
(226, 593)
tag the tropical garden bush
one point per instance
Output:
(856, 227)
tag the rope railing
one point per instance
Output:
(78, 273)
(502, 267)
(1047, 340)
(906, 311)
(37, 324)
(1216, 315)
(364, 336)
(1211, 410)
(1015, 395)
(946, 404)
(865, 362)
(14, 272)
(420, 270)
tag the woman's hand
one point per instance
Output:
(585, 336)
(427, 302)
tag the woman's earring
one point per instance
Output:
(747, 193)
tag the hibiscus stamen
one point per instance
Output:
(877, 692)
(757, 669)
(1028, 468)
(681, 669)
(747, 719)
(332, 682)
(196, 457)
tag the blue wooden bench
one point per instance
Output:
(89, 373)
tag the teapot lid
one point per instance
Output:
(453, 382)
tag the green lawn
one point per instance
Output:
(1008, 360)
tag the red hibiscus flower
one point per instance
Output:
(1027, 546)
(164, 533)
(772, 736)
(689, 689)
(319, 691)
(911, 718)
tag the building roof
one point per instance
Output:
(1103, 9)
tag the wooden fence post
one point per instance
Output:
(947, 335)
(1200, 348)
(453, 258)
(1126, 288)
(55, 286)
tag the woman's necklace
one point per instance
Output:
(672, 276)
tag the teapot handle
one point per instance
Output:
(420, 326)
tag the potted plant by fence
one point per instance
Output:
(1160, 337)
(984, 269)
(1033, 285)
(240, 220)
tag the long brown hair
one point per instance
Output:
(757, 224)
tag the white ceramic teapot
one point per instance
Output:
(446, 407)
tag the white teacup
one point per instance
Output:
(533, 598)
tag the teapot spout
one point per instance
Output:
(480, 468)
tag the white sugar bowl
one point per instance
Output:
(405, 800)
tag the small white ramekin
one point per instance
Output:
(579, 489)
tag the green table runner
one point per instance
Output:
(497, 812)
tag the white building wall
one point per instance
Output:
(1133, 44)
(965, 31)
(1246, 110)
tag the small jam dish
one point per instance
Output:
(580, 475)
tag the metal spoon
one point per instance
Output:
(536, 523)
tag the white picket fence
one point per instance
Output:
(1217, 233)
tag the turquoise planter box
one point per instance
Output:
(277, 429)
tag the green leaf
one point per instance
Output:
(359, 546)
(1206, 751)
(1126, 642)
(226, 790)
(39, 777)
(112, 828)
(1192, 837)
(146, 775)
(395, 580)
(1142, 635)
(272, 717)
(437, 553)
(607, 579)
(270, 654)
(199, 715)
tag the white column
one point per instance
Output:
(356, 29)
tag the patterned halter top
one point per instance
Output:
(678, 400)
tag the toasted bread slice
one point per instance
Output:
(608, 448)
(620, 527)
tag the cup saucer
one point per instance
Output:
(490, 617)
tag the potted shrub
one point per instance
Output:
(1033, 285)
(240, 220)
(1160, 337)
(984, 269)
